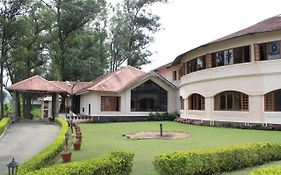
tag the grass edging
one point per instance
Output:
(115, 163)
(216, 160)
(4, 124)
(42, 158)
(272, 170)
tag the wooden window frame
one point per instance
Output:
(112, 108)
(269, 101)
(193, 102)
(244, 101)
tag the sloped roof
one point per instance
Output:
(165, 66)
(268, 25)
(116, 81)
(35, 84)
(67, 86)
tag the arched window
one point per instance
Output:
(272, 101)
(149, 97)
(196, 102)
(231, 101)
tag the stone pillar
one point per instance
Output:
(256, 55)
(208, 61)
(54, 106)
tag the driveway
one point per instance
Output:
(23, 140)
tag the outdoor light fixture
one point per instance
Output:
(12, 167)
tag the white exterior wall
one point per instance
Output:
(255, 79)
(94, 98)
(168, 74)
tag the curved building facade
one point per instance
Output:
(236, 78)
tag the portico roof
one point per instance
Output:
(36, 84)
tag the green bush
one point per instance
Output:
(163, 116)
(269, 170)
(215, 160)
(4, 123)
(44, 157)
(115, 163)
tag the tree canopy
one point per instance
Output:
(73, 39)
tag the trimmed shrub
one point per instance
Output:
(4, 123)
(269, 170)
(115, 163)
(163, 116)
(215, 160)
(44, 157)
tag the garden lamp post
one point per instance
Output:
(12, 167)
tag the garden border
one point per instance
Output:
(6, 126)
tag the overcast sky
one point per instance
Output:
(190, 23)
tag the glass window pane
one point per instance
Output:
(263, 51)
(229, 101)
(237, 101)
(277, 100)
(247, 54)
(220, 58)
(148, 97)
(228, 57)
(222, 102)
(273, 50)
(238, 55)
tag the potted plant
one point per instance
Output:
(79, 137)
(66, 153)
(77, 145)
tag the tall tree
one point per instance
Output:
(71, 17)
(131, 31)
(10, 11)
(26, 56)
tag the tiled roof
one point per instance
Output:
(116, 81)
(268, 25)
(71, 87)
(166, 66)
(111, 82)
(35, 84)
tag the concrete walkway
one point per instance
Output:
(23, 140)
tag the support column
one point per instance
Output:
(255, 52)
(17, 105)
(54, 106)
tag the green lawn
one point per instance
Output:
(99, 139)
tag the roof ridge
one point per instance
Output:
(25, 80)
(110, 76)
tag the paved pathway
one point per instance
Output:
(23, 140)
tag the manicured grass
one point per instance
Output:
(247, 171)
(99, 139)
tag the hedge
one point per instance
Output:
(216, 160)
(45, 156)
(3, 124)
(268, 170)
(115, 163)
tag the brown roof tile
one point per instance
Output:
(35, 84)
(268, 25)
(116, 81)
